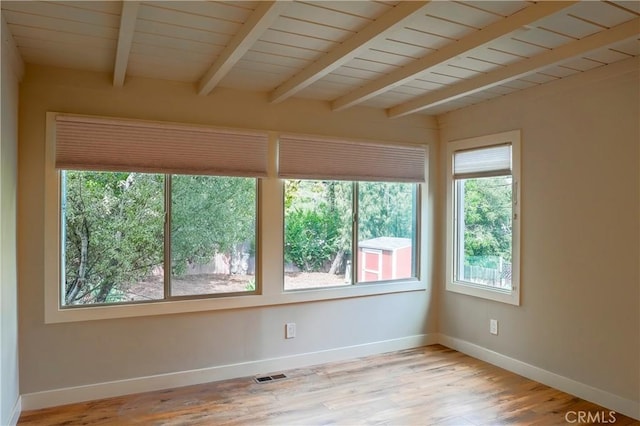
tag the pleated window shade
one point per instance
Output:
(489, 161)
(317, 158)
(104, 144)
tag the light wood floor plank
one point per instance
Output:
(433, 385)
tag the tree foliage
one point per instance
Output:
(385, 210)
(114, 227)
(114, 224)
(113, 232)
(487, 220)
(210, 215)
(318, 219)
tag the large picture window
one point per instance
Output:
(115, 238)
(151, 218)
(483, 217)
(155, 211)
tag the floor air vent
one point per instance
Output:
(265, 379)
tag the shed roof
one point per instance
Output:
(385, 243)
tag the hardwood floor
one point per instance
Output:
(432, 385)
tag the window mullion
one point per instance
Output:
(354, 233)
(167, 236)
(62, 176)
(459, 230)
(417, 231)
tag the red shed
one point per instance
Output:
(384, 258)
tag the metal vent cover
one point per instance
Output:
(271, 378)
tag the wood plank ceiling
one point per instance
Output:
(405, 57)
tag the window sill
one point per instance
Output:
(54, 314)
(511, 297)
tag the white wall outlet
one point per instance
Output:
(493, 326)
(290, 330)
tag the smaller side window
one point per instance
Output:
(483, 217)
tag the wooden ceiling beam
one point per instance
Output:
(348, 50)
(629, 29)
(260, 20)
(451, 51)
(128, 19)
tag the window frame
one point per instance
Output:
(355, 214)
(512, 296)
(270, 274)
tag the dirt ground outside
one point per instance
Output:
(189, 285)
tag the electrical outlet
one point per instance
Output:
(493, 326)
(290, 330)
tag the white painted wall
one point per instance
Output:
(11, 73)
(580, 282)
(62, 355)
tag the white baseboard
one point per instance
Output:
(50, 398)
(15, 413)
(589, 393)
(37, 400)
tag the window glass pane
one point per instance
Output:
(213, 235)
(484, 231)
(386, 231)
(317, 233)
(112, 237)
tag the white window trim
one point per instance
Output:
(511, 297)
(270, 277)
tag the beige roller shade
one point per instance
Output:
(479, 162)
(110, 144)
(303, 157)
